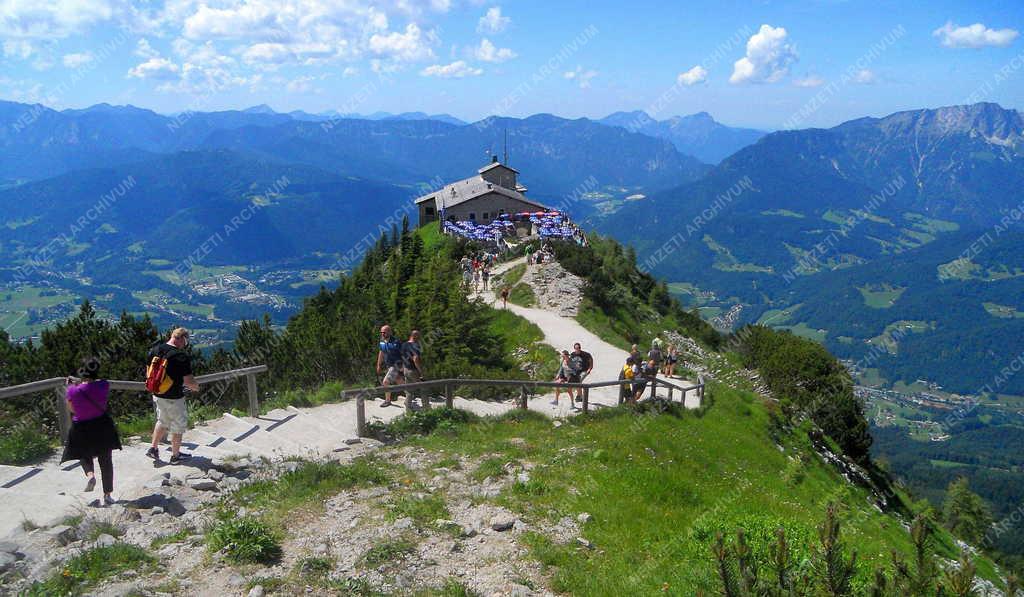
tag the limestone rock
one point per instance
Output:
(202, 484)
(502, 522)
(63, 534)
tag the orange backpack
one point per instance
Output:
(157, 381)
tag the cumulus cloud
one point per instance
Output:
(32, 19)
(18, 48)
(809, 81)
(144, 50)
(865, 76)
(156, 68)
(974, 36)
(76, 60)
(580, 76)
(409, 46)
(488, 52)
(493, 22)
(455, 70)
(303, 84)
(695, 75)
(769, 56)
(349, 71)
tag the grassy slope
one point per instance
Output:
(658, 487)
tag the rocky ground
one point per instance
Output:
(477, 544)
(556, 289)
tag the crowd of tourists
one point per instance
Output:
(644, 368)
(476, 269)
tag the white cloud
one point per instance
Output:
(768, 57)
(697, 74)
(865, 76)
(76, 60)
(580, 76)
(160, 69)
(809, 81)
(18, 48)
(410, 46)
(488, 52)
(302, 84)
(493, 22)
(350, 71)
(974, 36)
(455, 70)
(144, 50)
(48, 19)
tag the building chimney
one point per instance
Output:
(494, 159)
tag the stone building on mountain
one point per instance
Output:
(495, 190)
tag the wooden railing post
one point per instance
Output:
(360, 415)
(670, 394)
(254, 401)
(523, 398)
(586, 399)
(449, 400)
(63, 414)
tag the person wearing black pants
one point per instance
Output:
(93, 434)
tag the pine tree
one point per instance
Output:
(964, 513)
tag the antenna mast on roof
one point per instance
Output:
(506, 146)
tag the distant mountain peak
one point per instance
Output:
(698, 135)
(259, 109)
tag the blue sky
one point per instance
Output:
(765, 64)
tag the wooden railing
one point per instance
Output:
(524, 387)
(58, 384)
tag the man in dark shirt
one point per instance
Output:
(582, 362)
(171, 412)
(412, 365)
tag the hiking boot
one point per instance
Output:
(179, 457)
(153, 453)
(90, 484)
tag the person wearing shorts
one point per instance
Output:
(389, 360)
(171, 410)
(412, 365)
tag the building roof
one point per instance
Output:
(470, 188)
(495, 165)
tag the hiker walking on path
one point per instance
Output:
(564, 375)
(93, 434)
(504, 297)
(649, 371)
(389, 360)
(486, 275)
(412, 365)
(635, 353)
(581, 363)
(168, 375)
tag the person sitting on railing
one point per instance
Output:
(93, 433)
(390, 357)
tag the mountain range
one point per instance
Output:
(698, 134)
(333, 183)
(907, 222)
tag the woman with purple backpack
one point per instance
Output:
(93, 434)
